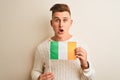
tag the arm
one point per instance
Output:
(86, 66)
(38, 65)
(87, 71)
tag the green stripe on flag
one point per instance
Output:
(53, 50)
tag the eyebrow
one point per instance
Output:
(58, 17)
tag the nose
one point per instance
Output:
(60, 24)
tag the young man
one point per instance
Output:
(46, 69)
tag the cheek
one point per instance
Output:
(54, 24)
(55, 27)
(67, 26)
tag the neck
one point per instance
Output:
(63, 38)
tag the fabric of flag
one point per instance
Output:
(62, 50)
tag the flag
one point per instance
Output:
(62, 50)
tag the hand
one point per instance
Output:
(82, 55)
(46, 76)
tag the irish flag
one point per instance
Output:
(62, 50)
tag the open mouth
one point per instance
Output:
(61, 30)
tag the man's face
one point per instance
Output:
(61, 22)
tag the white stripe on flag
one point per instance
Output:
(63, 52)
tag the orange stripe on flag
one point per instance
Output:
(71, 52)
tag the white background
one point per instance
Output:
(25, 23)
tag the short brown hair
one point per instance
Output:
(60, 8)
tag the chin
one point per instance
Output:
(60, 35)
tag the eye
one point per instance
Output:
(56, 20)
(64, 20)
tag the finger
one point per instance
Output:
(82, 58)
(44, 76)
(80, 49)
(77, 49)
(78, 53)
(50, 77)
(77, 56)
(81, 53)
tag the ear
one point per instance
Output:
(71, 22)
(51, 23)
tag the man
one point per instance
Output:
(46, 69)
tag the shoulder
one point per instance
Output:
(81, 42)
(43, 45)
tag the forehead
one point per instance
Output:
(64, 14)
